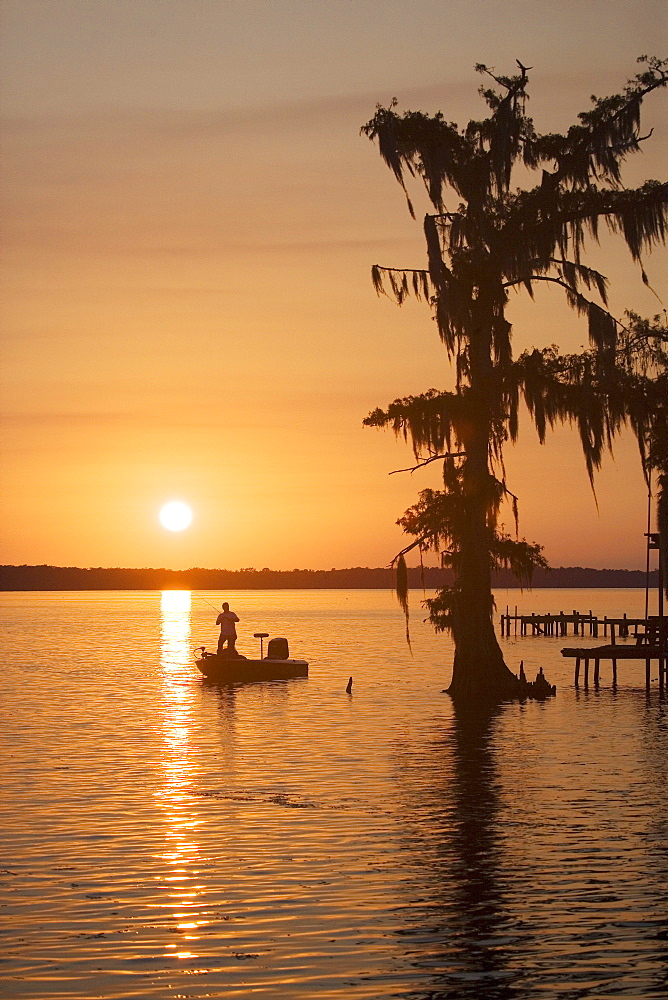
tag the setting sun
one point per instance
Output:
(176, 516)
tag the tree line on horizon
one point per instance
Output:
(26, 578)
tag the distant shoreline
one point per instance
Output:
(21, 578)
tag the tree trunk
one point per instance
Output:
(479, 669)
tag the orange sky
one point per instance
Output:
(190, 220)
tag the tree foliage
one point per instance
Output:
(485, 237)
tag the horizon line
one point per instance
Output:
(268, 569)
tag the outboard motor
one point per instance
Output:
(277, 649)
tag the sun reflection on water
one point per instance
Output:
(181, 856)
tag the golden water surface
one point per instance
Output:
(166, 837)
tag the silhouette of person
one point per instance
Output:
(228, 633)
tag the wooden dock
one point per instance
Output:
(581, 622)
(650, 632)
(550, 624)
(615, 653)
(650, 645)
(651, 640)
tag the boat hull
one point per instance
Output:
(225, 670)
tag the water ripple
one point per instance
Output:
(165, 837)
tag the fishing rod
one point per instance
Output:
(206, 602)
(202, 649)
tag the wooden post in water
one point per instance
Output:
(586, 672)
(577, 670)
(515, 619)
(597, 671)
(662, 637)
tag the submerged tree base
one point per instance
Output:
(507, 686)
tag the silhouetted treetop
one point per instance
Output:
(486, 236)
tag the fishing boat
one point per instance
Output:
(231, 667)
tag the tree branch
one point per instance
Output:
(408, 548)
(587, 142)
(539, 277)
(509, 492)
(426, 461)
(563, 284)
(402, 270)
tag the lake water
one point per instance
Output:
(164, 837)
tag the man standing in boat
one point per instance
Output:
(228, 633)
